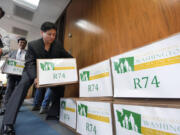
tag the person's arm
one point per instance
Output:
(30, 62)
(65, 54)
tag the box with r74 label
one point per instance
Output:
(68, 112)
(95, 80)
(53, 72)
(149, 72)
(94, 118)
(13, 66)
(143, 120)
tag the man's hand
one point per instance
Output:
(1, 52)
(36, 82)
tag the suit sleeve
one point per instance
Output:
(30, 62)
(65, 54)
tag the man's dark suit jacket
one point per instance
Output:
(36, 50)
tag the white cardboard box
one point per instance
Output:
(95, 80)
(13, 66)
(51, 72)
(149, 72)
(94, 118)
(3, 77)
(68, 112)
(141, 120)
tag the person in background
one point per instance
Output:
(41, 100)
(13, 80)
(45, 48)
(4, 38)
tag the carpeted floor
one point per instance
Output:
(33, 123)
(29, 124)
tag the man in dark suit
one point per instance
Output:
(46, 47)
(13, 80)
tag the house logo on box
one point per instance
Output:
(85, 76)
(82, 110)
(11, 63)
(46, 66)
(124, 65)
(129, 120)
(63, 104)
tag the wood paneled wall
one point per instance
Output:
(103, 28)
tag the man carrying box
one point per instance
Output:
(13, 80)
(46, 47)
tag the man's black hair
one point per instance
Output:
(2, 12)
(22, 39)
(47, 26)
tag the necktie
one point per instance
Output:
(19, 55)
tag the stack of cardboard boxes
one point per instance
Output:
(94, 115)
(127, 94)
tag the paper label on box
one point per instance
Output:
(151, 71)
(141, 120)
(52, 71)
(68, 112)
(95, 80)
(94, 118)
(13, 66)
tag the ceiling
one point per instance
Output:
(21, 21)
